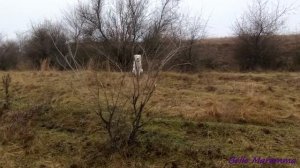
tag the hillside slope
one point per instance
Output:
(199, 120)
(220, 51)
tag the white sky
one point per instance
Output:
(16, 16)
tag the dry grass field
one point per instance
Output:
(198, 120)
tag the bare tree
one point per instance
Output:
(119, 29)
(193, 30)
(258, 45)
(116, 29)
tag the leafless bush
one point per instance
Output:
(258, 44)
(6, 82)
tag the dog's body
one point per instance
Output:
(137, 65)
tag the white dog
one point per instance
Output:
(137, 65)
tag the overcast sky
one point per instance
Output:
(16, 16)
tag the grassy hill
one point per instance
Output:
(219, 52)
(199, 120)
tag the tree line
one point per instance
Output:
(105, 35)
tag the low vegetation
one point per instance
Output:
(198, 120)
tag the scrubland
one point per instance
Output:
(196, 120)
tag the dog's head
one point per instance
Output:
(137, 58)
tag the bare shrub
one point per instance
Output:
(6, 82)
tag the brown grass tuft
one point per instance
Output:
(45, 65)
